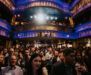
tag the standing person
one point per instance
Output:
(26, 59)
(48, 58)
(5, 52)
(49, 54)
(87, 59)
(81, 69)
(7, 58)
(55, 57)
(65, 66)
(35, 66)
(13, 69)
(1, 63)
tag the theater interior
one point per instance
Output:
(42, 23)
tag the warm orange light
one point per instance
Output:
(71, 21)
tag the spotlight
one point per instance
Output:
(55, 18)
(22, 23)
(40, 17)
(31, 17)
(68, 36)
(51, 18)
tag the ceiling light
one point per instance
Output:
(40, 17)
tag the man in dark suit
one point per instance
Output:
(66, 66)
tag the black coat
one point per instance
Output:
(61, 69)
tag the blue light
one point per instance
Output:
(4, 33)
(58, 34)
(84, 33)
(83, 27)
(5, 25)
(73, 4)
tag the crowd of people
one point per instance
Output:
(29, 60)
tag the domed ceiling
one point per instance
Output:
(64, 12)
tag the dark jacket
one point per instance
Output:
(60, 68)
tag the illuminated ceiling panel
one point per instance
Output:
(83, 4)
(17, 2)
(48, 11)
(66, 5)
(8, 3)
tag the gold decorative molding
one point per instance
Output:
(80, 6)
(8, 3)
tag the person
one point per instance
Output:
(1, 63)
(48, 58)
(7, 58)
(55, 57)
(81, 68)
(87, 59)
(26, 59)
(65, 66)
(35, 66)
(49, 54)
(12, 69)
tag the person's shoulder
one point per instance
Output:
(45, 71)
(17, 67)
(5, 69)
(57, 63)
(44, 68)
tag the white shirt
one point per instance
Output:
(8, 71)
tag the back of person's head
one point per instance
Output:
(68, 54)
(68, 51)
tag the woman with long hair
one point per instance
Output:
(35, 66)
